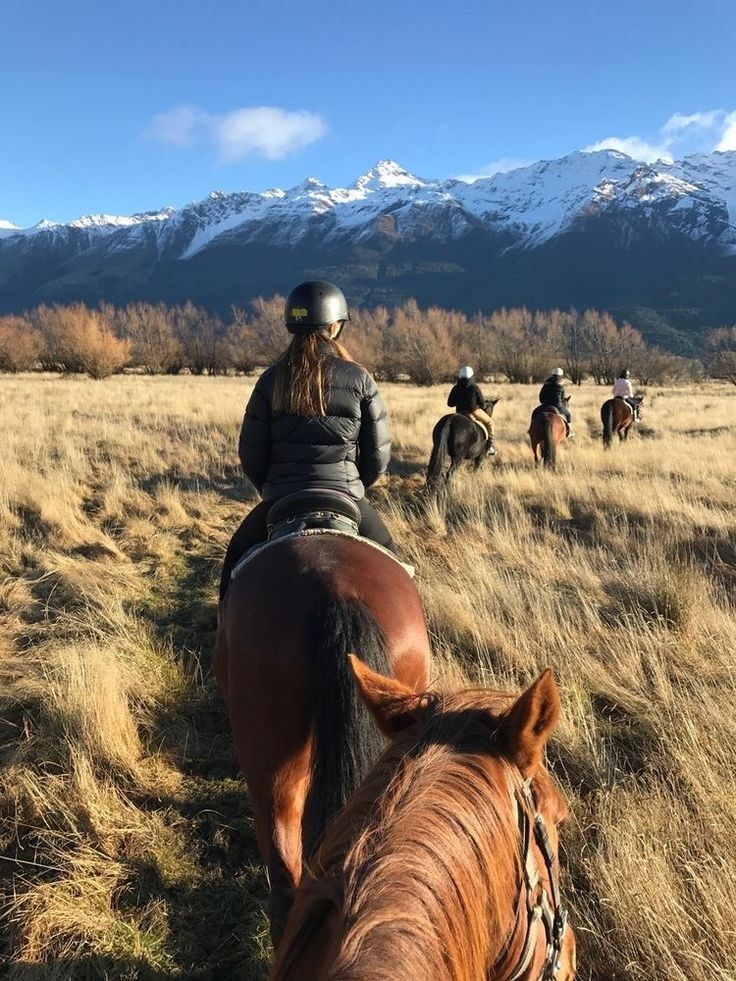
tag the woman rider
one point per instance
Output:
(466, 397)
(623, 389)
(552, 395)
(314, 421)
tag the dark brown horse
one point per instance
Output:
(546, 431)
(444, 863)
(455, 439)
(303, 737)
(618, 418)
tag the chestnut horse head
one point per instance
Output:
(444, 863)
(546, 431)
(303, 737)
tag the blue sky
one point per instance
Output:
(119, 107)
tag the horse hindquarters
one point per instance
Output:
(302, 740)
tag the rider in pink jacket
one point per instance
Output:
(622, 388)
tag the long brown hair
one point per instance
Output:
(302, 375)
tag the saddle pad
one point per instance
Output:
(627, 404)
(483, 428)
(309, 532)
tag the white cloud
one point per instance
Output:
(264, 131)
(728, 136)
(634, 146)
(178, 127)
(681, 134)
(679, 122)
(501, 166)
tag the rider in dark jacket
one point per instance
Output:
(315, 420)
(552, 395)
(466, 397)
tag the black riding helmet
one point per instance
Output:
(313, 305)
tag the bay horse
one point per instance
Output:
(456, 438)
(444, 863)
(618, 418)
(546, 431)
(303, 738)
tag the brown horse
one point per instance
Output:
(618, 418)
(303, 737)
(444, 863)
(546, 431)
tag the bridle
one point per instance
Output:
(542, 907)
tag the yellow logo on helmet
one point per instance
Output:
(299, 313)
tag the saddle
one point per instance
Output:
(483, 428)
(327, 510)
(628, 405)
(313, 512)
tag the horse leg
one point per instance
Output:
(285, 852)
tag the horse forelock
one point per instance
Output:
(423, 864)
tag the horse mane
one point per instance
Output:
(420, 867)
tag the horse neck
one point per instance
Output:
(430, 883)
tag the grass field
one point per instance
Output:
(126, 846)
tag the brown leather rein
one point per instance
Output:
(542, 907)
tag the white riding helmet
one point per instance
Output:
(558, 372)
(465, 372)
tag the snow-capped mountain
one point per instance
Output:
(551, 233)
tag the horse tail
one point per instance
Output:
(346, 739)
(607, 419)
(549, 447)
(439, 455)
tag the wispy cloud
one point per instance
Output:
(263, 131)
(501, 166)
(728, 136)
(681, 134)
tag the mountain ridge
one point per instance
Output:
(571, 231)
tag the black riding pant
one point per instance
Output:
(253, 530)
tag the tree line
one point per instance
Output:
(406, 342)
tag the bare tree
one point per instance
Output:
(721, 344)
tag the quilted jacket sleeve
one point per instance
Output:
(374, 441)
(452, 397)
(254, 446)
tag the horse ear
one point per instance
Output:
(393, 704)
(493, 401)
(526, 728)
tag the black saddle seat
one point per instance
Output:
(313, 509)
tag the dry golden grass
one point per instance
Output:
(126, 843)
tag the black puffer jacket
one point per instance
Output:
(466, 396)
(345, 450)
(552, 393)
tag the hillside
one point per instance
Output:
(654, 243)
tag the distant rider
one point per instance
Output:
(622, 389)
(466, 397)
(552, 396)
